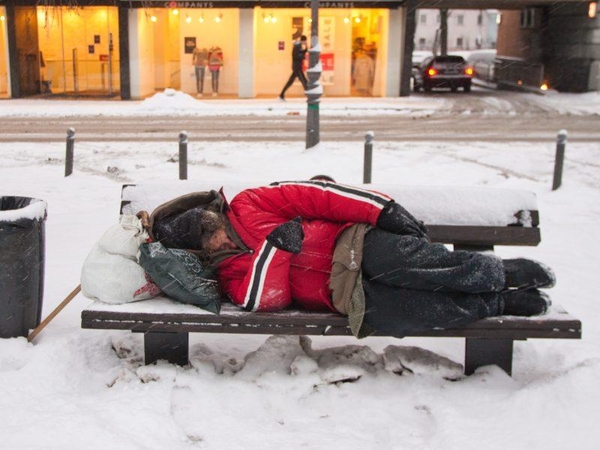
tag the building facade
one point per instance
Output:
(561, 41)
(467, 29)
(134, 48)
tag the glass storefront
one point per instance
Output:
(74, 51)
(78, 50)
(4, 64)
(346, 37)
(352, 50)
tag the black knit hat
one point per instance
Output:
(187, 230)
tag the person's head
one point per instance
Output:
(198, 229)
(303, 39)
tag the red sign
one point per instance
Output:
(327, 61)
(103, 57)
(281, 45)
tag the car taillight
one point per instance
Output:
(469, 71)
(431, 72)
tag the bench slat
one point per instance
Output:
(558, 325)
(484, 236)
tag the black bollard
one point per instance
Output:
(561, 143)
(368, 160)
(183, 143)
(70, 151)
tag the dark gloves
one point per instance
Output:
(288, 236)
(395, 219)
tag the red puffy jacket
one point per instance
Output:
(267, 278)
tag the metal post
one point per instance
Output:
(70, 151)
(183, 142)
(75, 74)
(561, 143)
(368, 160)
(110, 56)
(314, 89)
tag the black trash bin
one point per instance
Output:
(22, 253)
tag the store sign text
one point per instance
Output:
(332, 5)
(188, 5)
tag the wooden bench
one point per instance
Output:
(513, 220)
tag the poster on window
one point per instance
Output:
(297, 27)
(327, 41)
(190, 44)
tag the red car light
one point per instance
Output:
(469, 71)
(431, 72)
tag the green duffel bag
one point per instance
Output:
(181, 275)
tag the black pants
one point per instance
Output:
(296, 73)
(412, 285)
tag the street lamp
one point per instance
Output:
(314, 89)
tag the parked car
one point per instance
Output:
(419, 55)
(450, 71)
(483, 64)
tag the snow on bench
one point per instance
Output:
(468, 218)
(439, 205)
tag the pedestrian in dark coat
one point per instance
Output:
(298, 54)
(319, 245)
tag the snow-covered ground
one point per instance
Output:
(76, 389)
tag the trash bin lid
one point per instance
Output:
(13, 209)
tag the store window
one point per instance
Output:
(4, 78)
(459, 42)
(527, 17)
(78, 50)
(353, 50)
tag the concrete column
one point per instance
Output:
(134, 57)
(443, 31)
(124, 72)
(246, 54)
(141, 54)
(410, 27)
(394, 53)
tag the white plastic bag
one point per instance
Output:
(111, 272)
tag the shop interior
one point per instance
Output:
(78, 50)
(74, 51)
(4, 78)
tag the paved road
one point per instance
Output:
(482, 115)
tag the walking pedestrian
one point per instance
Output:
(298, 54)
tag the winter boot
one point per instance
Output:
(530, 302)
(524, 273)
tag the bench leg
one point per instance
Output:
(172, 347)
(482, 352)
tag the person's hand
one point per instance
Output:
(288, 236)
